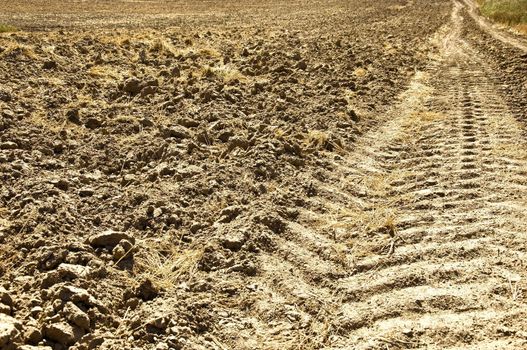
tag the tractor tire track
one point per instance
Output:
(453, 272)
(422, 244)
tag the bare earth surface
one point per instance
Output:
(261, 175)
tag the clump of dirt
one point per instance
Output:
(147, 172)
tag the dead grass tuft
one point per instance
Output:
(427, 116)
(381, 217)
(163, 47)
(166, 264)
(203, 52)
(317, 139)
(106, 72)
(510, 150)
(19, 49)
(41, 120)
(226, 73)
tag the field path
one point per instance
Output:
(441, 194)
(489, 28)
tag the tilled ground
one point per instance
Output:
(275, 175)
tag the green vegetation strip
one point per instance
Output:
(5, 28)
(511, 12)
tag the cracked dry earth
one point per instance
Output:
(409, 234)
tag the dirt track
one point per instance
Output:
(450, 171)
(353, 179)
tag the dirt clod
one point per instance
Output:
(76, 316)
(109, 238)
(9, 331)
(63, 333)
(146, 290)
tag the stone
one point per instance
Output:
(146, 290)
(196, 226)
(173, 220)
(408, 332)
(148, 90)
(61, 184)
(76, 316)
(353, 115)
(5, 298)
(187, 172)
(224, 136)
(8, 113)
(109, 238)
(238, 142)
(94, 341)
(132, 86)
(86, 192)
(132, 303)
(32, 335)
(164, 169)
(36, 347)
(91, 177)
(201, 286)
(36, 311)
(127, 245)
(204, 138)
(157, 212)
(176, 72)
(118, 252)
(151, 82)
(51, 278)
(73, 116)
(246, 267)
(129, 179)
(72, 271)
(5, 96)
(146, 122)
(273, 222)
(50, 65)
(8, 145)
(302, 65)
(162, 346)
(158, 321)
(5, 309)
(93, 123)
(63, 333)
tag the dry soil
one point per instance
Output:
(261, 175)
